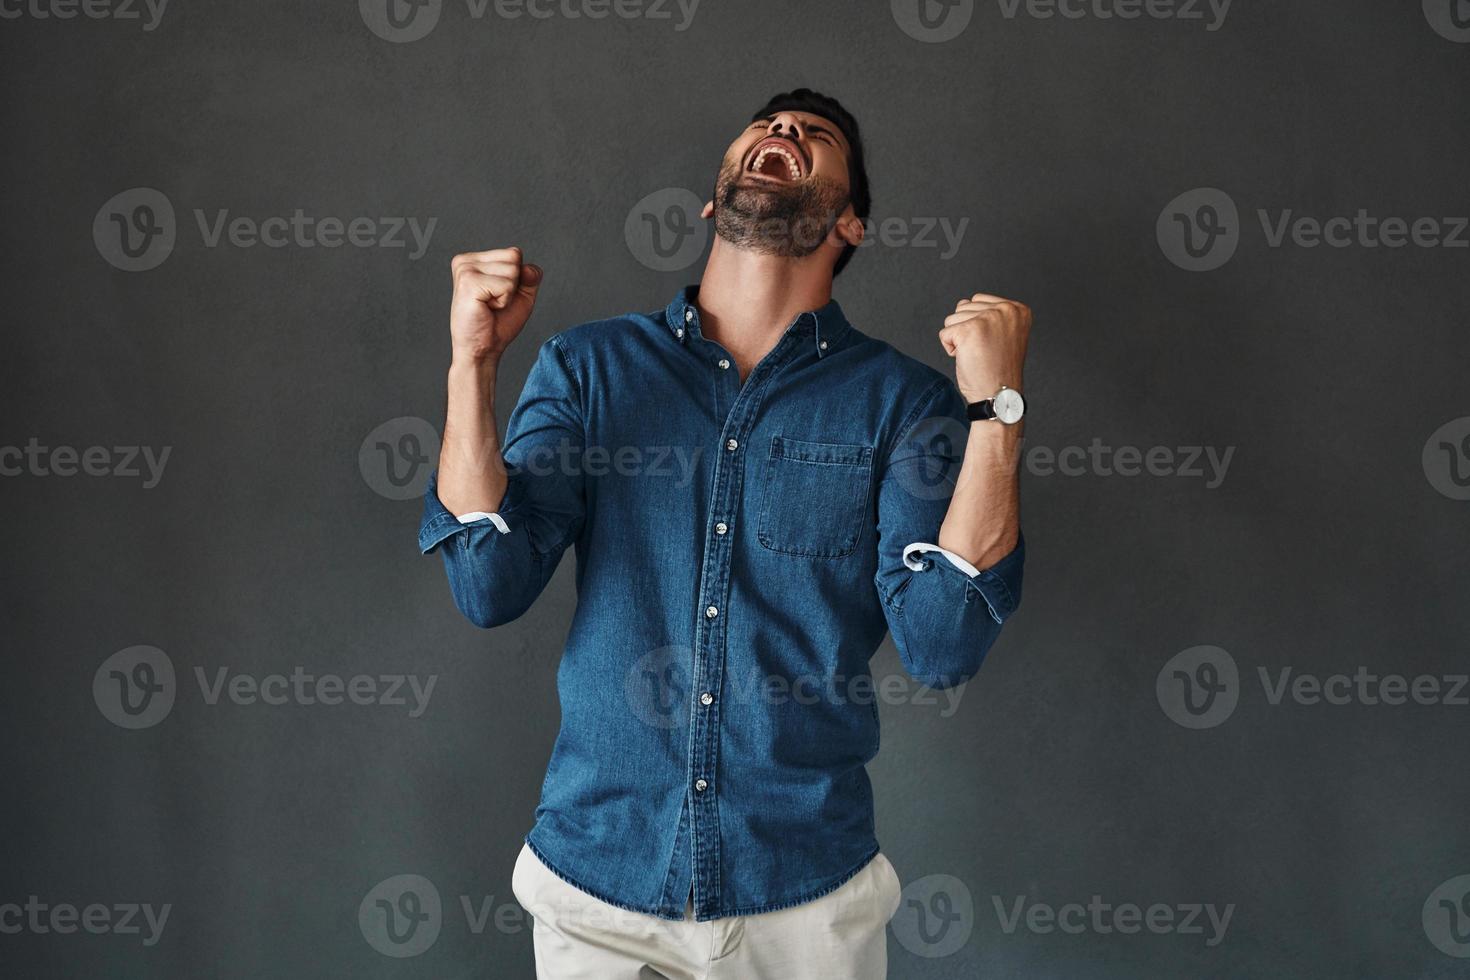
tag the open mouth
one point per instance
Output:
(777, 158)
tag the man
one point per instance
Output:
(756, 492)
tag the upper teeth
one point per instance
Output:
(781, 151)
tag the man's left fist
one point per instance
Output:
(986, 335)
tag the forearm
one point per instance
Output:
(471, 470)
(983, 522)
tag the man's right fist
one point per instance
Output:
(494, 293)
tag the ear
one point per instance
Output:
(708, 210)
(849, 229)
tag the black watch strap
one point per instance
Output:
(981, 411)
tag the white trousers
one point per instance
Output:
(841, 935)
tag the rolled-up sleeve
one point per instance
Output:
(495, 574)
(944, 617)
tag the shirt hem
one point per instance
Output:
(831, 886)
(601, 896)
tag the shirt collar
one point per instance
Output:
(825, 326)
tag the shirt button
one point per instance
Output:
(721, 527)
(688, 316)
(710, 612)
(679, 332)
(700, 785)
(706, 698)
(725, 363)
(822, 345)
(731, 445)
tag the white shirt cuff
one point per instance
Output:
(919, 547)
(480, 515)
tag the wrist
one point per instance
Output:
(481, 361)
(987, 389)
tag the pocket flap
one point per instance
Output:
(819, 452)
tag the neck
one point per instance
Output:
(747, 299)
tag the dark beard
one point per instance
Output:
(790, 221)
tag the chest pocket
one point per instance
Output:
(815, 498)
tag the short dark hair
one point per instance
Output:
(805, 100)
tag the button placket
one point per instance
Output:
(710, 633)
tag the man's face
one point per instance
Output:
(783, 185)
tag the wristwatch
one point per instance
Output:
(1006, 407)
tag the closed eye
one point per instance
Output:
(815, 132)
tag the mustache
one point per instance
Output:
(816, 191)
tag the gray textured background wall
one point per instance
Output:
(1247, 464)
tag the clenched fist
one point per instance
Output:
(494, 293)
(986, 335)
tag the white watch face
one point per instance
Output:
(1009, 406)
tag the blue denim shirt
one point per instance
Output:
(740, 556)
